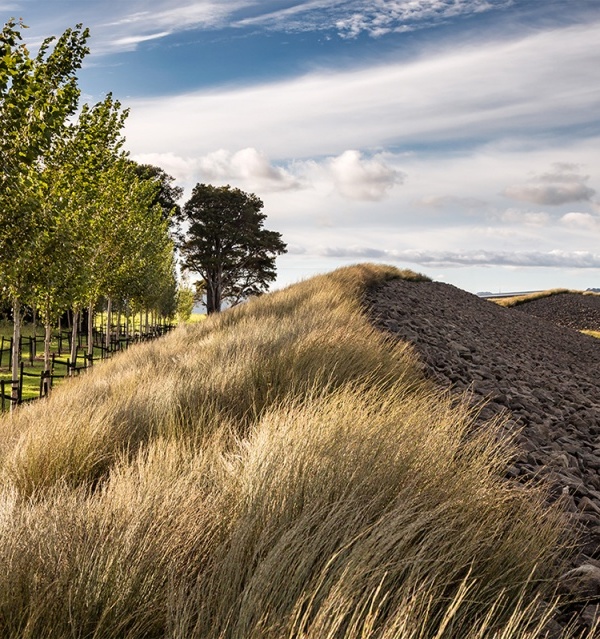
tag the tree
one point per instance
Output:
(227, 245)
(37, 95)
(69, 201)
(167, 194)
(186, 297)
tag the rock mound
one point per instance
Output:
(574, 310)
(545, 377)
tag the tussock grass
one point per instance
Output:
(278, 471)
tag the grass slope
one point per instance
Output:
(277, 471)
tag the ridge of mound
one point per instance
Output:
(575, 310)
(545, 378)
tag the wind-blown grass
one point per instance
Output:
(278, 471)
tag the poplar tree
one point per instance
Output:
(37, 95)
(64, 262)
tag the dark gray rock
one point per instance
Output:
(544, 378)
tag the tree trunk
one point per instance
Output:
(90, 330)
(107, 337)
(213, 296)
(74, 326)
(34, 320)
(15, 352)
(47, 340)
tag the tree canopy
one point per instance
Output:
(79, 219)
(167, 193)
(226, 244)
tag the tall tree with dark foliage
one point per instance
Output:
(226, 244)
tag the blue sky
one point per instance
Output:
(459, 138)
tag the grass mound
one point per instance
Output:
(277, 471)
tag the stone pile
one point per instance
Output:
(543, 377)
(574, 310)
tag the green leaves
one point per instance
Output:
(227, 245)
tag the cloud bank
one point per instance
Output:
(464, 96)
(554, 259)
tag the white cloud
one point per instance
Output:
(551, 194)
(182, 169)
(583, 221)
(136, 21)
(526, 218)
(130, 41)
(378, 17)
(358, 178)
(557, 258)
(350, 18)
(507, 88)
(453, 201)
(248, 166)
(204, 13)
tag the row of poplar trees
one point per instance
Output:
(78, 219)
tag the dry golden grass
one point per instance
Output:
(278, 471)
(591, 333)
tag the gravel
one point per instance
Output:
(545, 378)
(574, 310)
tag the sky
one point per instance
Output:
(457, 138)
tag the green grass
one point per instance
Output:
(280, 470)
(31, 384)
(31, 379)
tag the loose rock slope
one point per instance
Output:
(544, 377)
(574, 310)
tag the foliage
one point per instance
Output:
(186, 297)
(227, 245)
(37, 95)
(79, 219)
(167, 193)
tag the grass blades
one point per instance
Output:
(278, 471)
